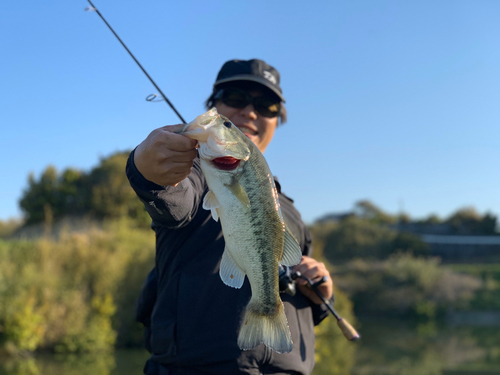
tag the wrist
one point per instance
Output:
(139, 178)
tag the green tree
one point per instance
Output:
(41, 194)
(73, 195)
(405, 241)
(356, 237)
(369, 211)
(468, 221)
(54, 195)
(432, 219)
(103, 193)
(110, 191)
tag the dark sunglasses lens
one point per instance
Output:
(267, 107)
(240, 99)
(236, 98)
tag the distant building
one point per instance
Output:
(444, 239)
(463, 248)
(423, 228)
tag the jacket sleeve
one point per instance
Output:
(169, 206)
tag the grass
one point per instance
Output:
(488, 297)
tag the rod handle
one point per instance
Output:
(348, 330)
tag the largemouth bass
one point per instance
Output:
(243, 196)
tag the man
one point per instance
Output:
(192, 318)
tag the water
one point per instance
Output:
(120, 362)
(398, 348)
(386, 348)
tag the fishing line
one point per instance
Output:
(349, 332)
(151, 97)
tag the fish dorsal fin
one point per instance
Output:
(210, 202)
(239, 192)
(291, 250)
(230, 273)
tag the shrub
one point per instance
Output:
(334, 354)
(63, 294)
(405, 285)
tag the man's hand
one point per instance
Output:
(314, 271)
(165, 157)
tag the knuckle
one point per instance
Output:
(156, 142)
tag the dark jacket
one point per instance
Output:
(192, 318)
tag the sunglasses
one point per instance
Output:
(238, 98)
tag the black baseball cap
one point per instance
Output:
(250, 70)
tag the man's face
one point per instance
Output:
(258, 128)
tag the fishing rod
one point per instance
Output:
(348, 330)
(287, 279)
(150, 98)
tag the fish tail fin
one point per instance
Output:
(272, 330)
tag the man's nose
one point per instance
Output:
(249, 111)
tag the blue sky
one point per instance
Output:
(392, 101)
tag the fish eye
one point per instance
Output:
(227, 124)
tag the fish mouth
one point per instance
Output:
(227, 163)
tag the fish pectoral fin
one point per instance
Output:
(239, 192)
(210, 202)
(292, 254)
(230, 273)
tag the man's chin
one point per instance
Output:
(255, 139)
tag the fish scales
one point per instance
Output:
(242, 194)
(268, 233)
(261, 243)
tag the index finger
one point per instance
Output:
(173, 128)
(175, 141)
